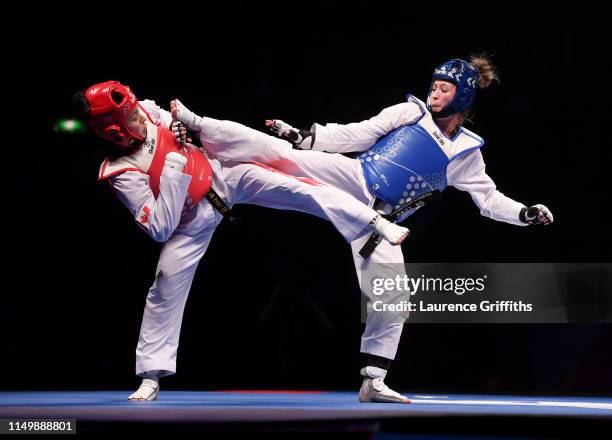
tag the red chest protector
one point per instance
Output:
(149, 159)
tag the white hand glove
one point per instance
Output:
(175, 161)
(536, 215)
(302, 139)
(180, 132)
(183, 114)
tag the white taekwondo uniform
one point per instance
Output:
(186, 228)
(465, 172)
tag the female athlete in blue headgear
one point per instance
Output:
(406, 151)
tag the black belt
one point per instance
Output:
(217, 202)
(417, 202)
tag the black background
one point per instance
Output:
(275, 302)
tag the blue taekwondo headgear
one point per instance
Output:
(465, 77)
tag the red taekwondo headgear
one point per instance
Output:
(110, 103)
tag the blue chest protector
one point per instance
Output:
(412, 160)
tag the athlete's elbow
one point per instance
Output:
(485, 212)
(488, 204)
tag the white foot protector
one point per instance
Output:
(148, 390)
(374, 390)
(187, 117)
(390, 231)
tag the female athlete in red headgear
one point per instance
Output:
(178, 195)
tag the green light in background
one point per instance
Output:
(69, 126)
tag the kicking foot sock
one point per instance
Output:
(187, 117)
(390, 231)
